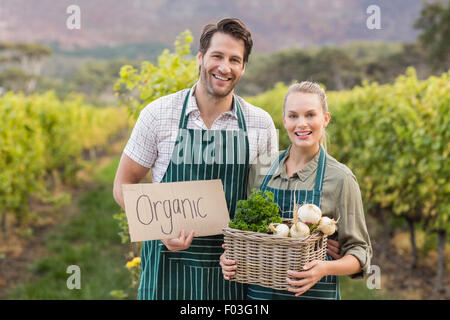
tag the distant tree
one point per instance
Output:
(15, 79)
(264, 71)
(24, 61)
(434, 21)
(334, 68)
(97, 77)
(331, 66)
(386, 69)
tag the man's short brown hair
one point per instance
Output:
(231, 26)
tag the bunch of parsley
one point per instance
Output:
(256, 213)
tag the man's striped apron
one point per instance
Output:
(327, 287)
(195, 273)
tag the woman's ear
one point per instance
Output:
(327, 119)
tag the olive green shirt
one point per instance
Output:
(341, 200)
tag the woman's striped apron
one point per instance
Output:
(195, 273)
(328, 286)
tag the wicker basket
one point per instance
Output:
(264, 259)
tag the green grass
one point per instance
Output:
(89, 240)
(356, 289)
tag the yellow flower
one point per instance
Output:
(133, 263)
(137, 260)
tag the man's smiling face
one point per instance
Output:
(222, 65)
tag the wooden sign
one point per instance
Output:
(161, 210)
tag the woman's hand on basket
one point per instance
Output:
(228, 266)
(180, 243)
(333, 249)
(304, 280)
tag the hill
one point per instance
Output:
(274, 24)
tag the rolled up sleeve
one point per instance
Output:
(142, 145)
(352, 229)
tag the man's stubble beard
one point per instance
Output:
(206, 83)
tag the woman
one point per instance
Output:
(306, 169)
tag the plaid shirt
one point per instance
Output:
(153, 138)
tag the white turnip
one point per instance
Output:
(309, 213)
(327, 226)
(281, 230)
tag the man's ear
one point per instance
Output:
(199, 58)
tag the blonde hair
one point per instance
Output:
(310, 87)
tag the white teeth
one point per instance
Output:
(302, 133)
(220, 78)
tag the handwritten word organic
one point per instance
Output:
(162, 212)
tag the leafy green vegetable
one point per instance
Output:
(256, 213)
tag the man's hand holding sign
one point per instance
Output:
(180, 243)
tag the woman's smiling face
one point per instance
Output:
(304, 119)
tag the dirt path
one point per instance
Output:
(20, 251)
(23, 245)
(397, 276)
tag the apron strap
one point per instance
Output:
(183, 119)
(320, 170)
(240, 115)
(271, 171)
(243, 128)
(319, 174)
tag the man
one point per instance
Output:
(201, 133)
